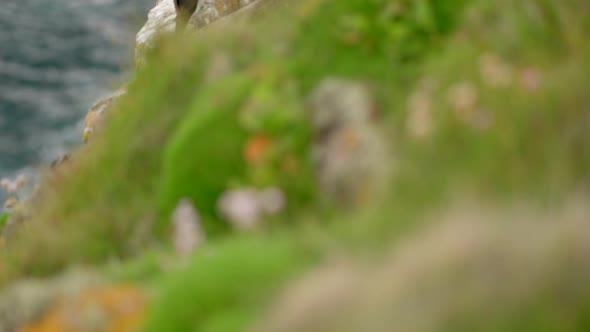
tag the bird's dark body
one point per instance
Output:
(184, 11)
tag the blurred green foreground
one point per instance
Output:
(430, 162)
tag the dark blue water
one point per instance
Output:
(56, 58)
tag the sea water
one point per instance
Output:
(56, 58)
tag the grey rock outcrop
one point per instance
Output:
(212, 10)
(97, 112)
(473, 269)
(27, 300)
(351, 157)
(162, 19)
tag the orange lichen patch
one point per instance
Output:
(256, 147)
(107, 309)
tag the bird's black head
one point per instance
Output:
(186, 6)
(184, 11)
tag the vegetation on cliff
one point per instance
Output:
(467, 100)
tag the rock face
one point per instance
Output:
(162, 19)
(76, 301)
(349, 153)
(28, 300)
(212, 10)
(96, 114)
(472, 271)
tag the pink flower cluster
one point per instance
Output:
(245, 207)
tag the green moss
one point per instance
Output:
(205, 152)
(224, 284)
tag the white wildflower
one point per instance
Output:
(240, 207)
(245, 207)
(188, 232)
(272, 200)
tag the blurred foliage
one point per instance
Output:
(228, 296)
(478, 98)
